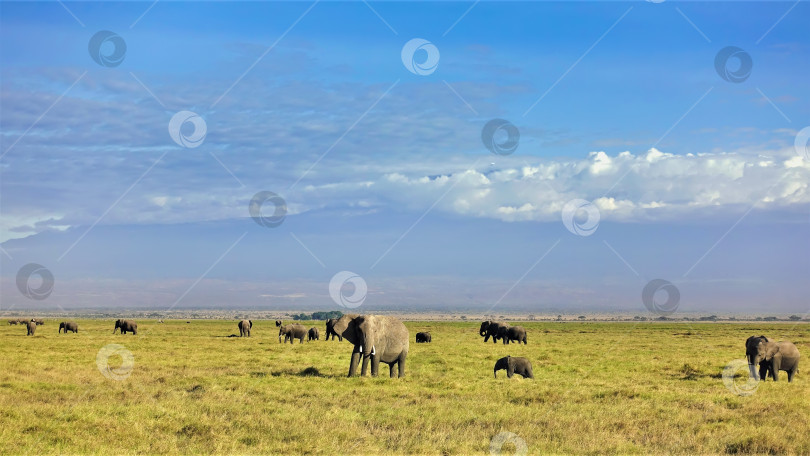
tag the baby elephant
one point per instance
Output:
(313, 334)
(423, 337)
(68, 326)
(513, 366)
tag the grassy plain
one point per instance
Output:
(599, 388)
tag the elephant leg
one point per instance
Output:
(375, 365)
(401, 365)
(775, 366)
(354, 362)
(391, 370)
(365, 365)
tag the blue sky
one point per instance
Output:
(695, 179)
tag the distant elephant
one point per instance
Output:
(521, 366)
(32, 327)
(491, 328)
(292, 332)
(330, 329)
(38, 321)
(313, 334)
(376, 338)
(512, 333)
(126, 326)
(68, 326)
(13, 322)
(751, 352)
(777, 356)
(278, 323)
(244, 328)
(423, 337)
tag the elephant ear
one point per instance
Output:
(251, 323)
(771, 351)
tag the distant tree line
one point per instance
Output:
(318, 315)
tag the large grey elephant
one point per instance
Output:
(68, 326)
(32, 327)
(491, 329)
(776, 356)
(292, 332)
(512, 333)
(375, 338)
(521, 366)
(126, 326)
(244, 328)
(751, 354)
(313, 334)
(330, 327)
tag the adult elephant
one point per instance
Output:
(292, 332)
(38, 321)
(423, 337)
(330, 329)
(776, 356)
(13, 322)
(244, 328)
(313, 334)
(32, 327)
(491, 329)
(512, 333)
(376, 338)
(125, 326)
(751, 352)
(68, 326)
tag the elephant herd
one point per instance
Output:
(497, 330)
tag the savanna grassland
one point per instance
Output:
(599, 388)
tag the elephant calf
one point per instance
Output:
(423, 337)
(513, 366)
(313, 334)
(68, 326)
(772, 357)
(32, 328)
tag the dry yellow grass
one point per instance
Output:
(599, 388)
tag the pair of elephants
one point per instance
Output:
(771, 357)
(296, 331)
(125, 326)
(497, 330)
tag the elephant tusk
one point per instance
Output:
(361, 349)
(372, 351)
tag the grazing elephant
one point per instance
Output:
(245, 327)
(423, 337)
(751, 352)
(32, 327)
(491, 328)
(68, 326)
(13, 322)
(512, 333)
(313, 334)
(278, 323)
(777, 356)
(292, 332)
(513, 366)
(376, 338)
(126, 326)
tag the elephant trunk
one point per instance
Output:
(752, 367)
